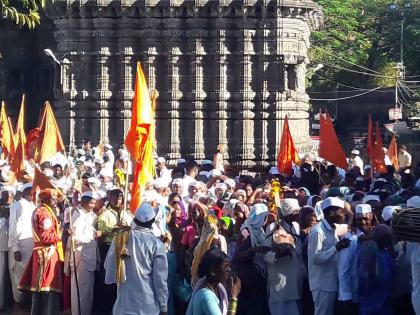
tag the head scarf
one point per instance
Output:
(243, 208)
(255, 222)
(227, 221)
(229, 206)
(179, 221)
(208, 233)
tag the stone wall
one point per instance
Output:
(226, 72)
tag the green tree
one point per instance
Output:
(360, 35)
(22, 12)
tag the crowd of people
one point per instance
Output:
(207, 240)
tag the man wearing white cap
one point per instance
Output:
(323, 247)
(106, 176)
(7, 195)
(355, 160)
(162, 171)
(108, 156)
(21, 240)
(144, 291)
(84, 264)
(347, 262)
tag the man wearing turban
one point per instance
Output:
(43, 274)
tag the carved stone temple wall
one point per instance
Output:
(227, 71)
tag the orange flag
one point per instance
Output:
(40, 182)
(287, 152)
(18, 159)
(50, 141)
(21, 123)
(330, 148)
(377, 152)
(6, 133)
(140, 138)
(141, 117)
(393, 152)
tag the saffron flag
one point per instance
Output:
(50, 141)
(393, 152)
(18, 159)
(41, 182)
(330, 148)
(287, 152)
(140, 138)
(141, 117)
(377, 152)
(6, 133)
(21, 124)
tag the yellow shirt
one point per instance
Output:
(108, 220)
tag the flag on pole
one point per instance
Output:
(18, 160)
(6, 133)
(393, 152)
(41, 182)
(287, 152)
(50, 141)
(21, 123)
(330, 148)
(377, 152)
(139, 140)
(141, 117)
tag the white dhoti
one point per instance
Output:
(324, 302)
(85, 280)
(17, 268)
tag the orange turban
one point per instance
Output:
(47, 193)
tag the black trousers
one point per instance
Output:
(46, 303)
(346, 308)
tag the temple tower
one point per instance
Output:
(227, 71)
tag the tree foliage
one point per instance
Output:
(363, 36)
(24, 13)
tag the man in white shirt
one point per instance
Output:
(84, 263)
(7, 195)
(323, 247)
(21, 241)
(355, 160)
(347, 263)
(191, 174)
(162, 171)
(404, 160)
(110, 159)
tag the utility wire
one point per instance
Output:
(347, 97)
(345, 85)
(350, 62)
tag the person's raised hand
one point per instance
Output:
(343, 243)
(234, 286)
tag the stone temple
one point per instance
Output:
(227, 72)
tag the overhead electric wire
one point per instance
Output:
(364, 73)
(345, 85)
(350, 62)
(347, 97)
